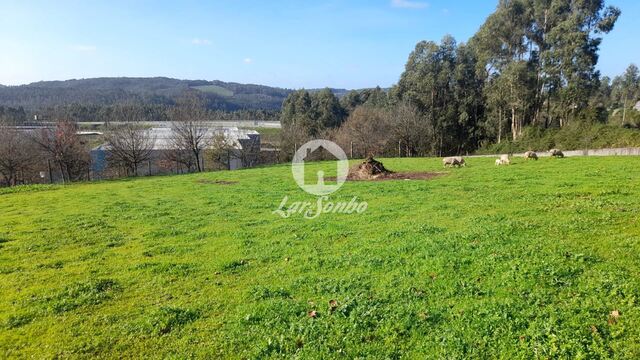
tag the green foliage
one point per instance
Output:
(440, 81)
(156, 91)
(10, 116)
(580, 135)
(214, 89)
(524, 261)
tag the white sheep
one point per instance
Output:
(453, 161)
(504, 160)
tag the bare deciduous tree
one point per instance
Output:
(129, 146)
(220, 152)
(291, 138)
(180, 159)
(190, 134)
(62, 144)
(16, 155)
(368, 128)
(410, 130)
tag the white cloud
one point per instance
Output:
(198, 41)
(84, 48)
(247, 60)
(409, 4)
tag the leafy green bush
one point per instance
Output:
(575, 136)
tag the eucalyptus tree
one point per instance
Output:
(559, 41)
(630, 89)
(327, 109)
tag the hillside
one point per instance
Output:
(158, 90)
(108, 91)
(539, 259)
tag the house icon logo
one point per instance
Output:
(320, 188)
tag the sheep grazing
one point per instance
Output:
(504, 160)
(556, 153)
(531, 155)
(449, 161)
(453, 161)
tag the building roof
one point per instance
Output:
(163, 137)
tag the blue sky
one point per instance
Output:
(287, 43)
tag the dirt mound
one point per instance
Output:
(369, 169)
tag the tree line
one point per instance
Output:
(114, 113)
(531, 65)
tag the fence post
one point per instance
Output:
(399, 148)
(50, 171)
(352, 149)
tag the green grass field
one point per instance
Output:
(536, 260)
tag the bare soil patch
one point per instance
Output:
(373, 170)
(403, 176)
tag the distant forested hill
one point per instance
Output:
(153, 91)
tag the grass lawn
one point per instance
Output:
(535, 260)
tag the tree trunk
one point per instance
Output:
(197, 155)
(499, 126)
(61, 171)
(624, 110)
(514, 125)
(549, 119)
